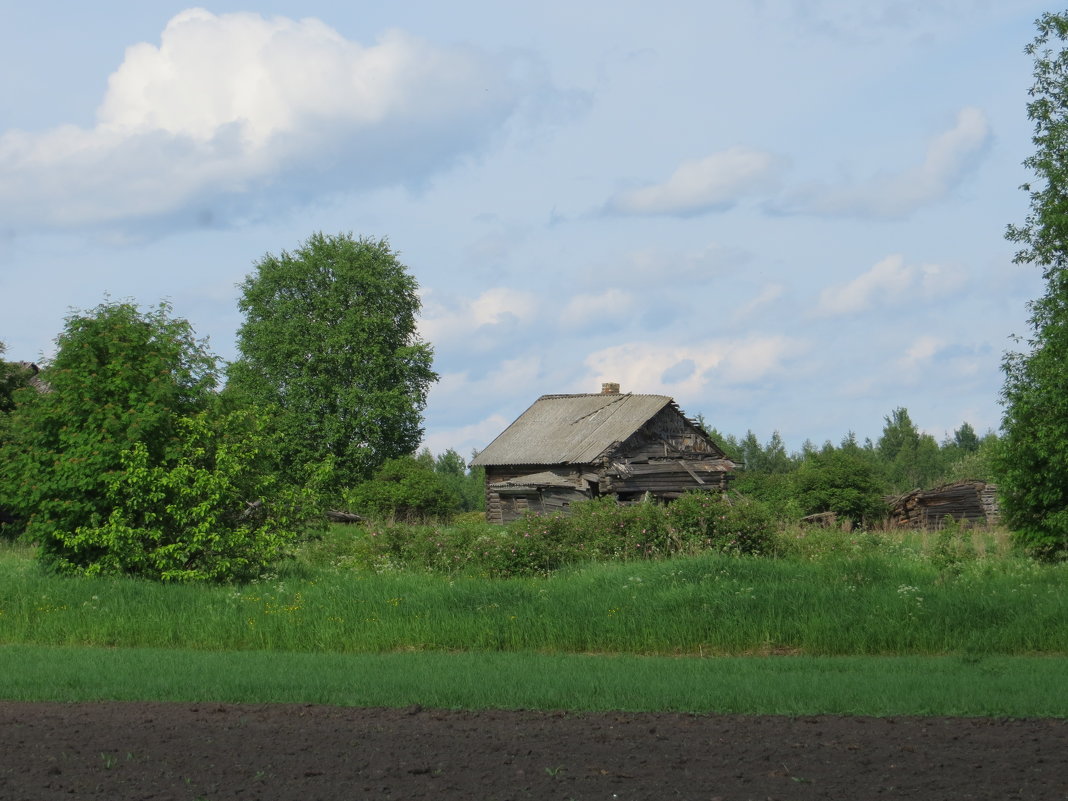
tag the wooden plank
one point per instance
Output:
(696, 478)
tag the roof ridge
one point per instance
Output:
(604, 395)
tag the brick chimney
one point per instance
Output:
(609, 389)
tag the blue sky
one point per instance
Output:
(786, 214)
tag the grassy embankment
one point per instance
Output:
(861, 626)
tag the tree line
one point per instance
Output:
(853, 479)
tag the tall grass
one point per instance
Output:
(850, 599)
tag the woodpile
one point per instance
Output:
(823, 519)
(337, 516)
(971, 502)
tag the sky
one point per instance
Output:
(788, 215)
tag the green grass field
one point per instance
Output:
(877, 686)
(866, 629)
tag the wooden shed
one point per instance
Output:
(566, 448)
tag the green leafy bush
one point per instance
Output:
(603, 529)
(704, 521)
(778, 491)
(840, 482)
(405, 490)
(120, 378)
(13, 377)
(532, 545)
(206, 514)
(126, 464)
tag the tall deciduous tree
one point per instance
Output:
(330, 342)
(1032, 468)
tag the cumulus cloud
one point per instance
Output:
(229, 104)
(950, 158)
(691, 371)
(888, 279)
(886, 282)
(928, 354)
(714, 183)
(937, 281)
(480, 322)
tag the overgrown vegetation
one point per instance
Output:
(829, 593)
(405, 490)
(126, 462)
(597, 530)
(123, 458)
(1033, 468)
(853, 479)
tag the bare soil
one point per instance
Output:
(306, 753)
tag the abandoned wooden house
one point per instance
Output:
(566, 448)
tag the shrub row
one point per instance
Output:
(596, 530)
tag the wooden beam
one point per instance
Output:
(693, 475)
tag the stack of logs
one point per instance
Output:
(973, 502)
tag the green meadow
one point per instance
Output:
(845, 624)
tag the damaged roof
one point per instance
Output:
(571, 429)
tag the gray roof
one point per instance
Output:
(570, 429)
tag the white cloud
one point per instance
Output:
(232, 103)
(713, 365)
(920, 352)
(890, 278)
(479, 322)
(889, 281)
(950, 157)
(500, 381)
(461, 396)
(714, 183)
